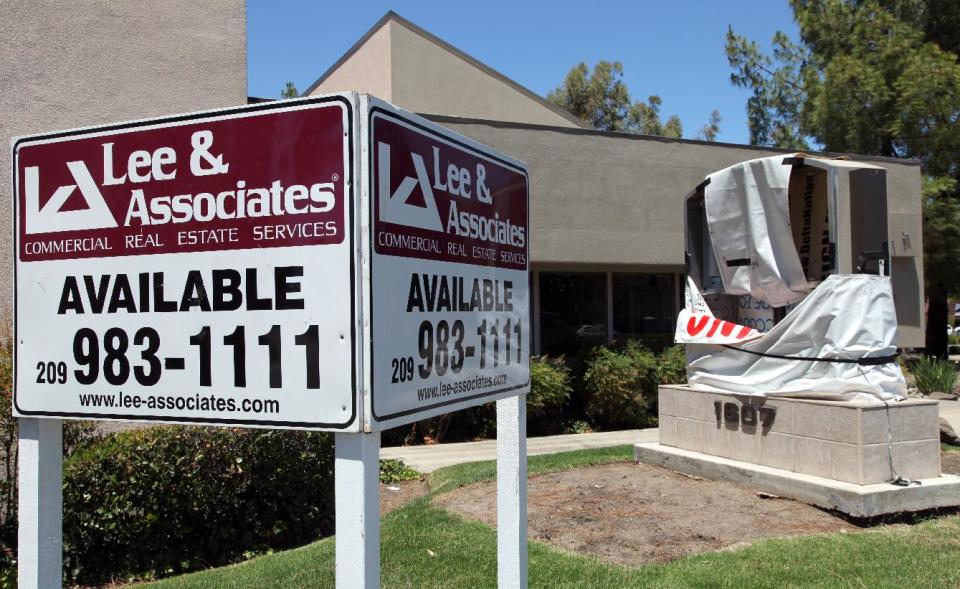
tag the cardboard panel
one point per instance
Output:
(809, 221)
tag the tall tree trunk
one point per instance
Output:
(936, 321)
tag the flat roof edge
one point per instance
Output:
(637, 137)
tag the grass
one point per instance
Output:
(451, 477)
(424, 546)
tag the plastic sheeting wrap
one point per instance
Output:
(848, 317)
(748, 217)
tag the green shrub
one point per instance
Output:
(167, 499)
(549, 391)
(393, 470)
(577, 426)
(8, 571)
(933, 374)
(619, 385)
(672, 365)
(655, 342)
(8, 449)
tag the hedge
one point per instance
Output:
(168, 499)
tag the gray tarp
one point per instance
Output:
(748, 217)
(847, 317)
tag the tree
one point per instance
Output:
(773, 111)
(644, 118)
(877, 77)
(602, 99)
(709, 131)
(290, 91)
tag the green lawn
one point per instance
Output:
(424, 546)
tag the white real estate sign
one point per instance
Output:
(191, 269)
(449, 257)
(329, 263)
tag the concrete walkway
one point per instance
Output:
(430, 458)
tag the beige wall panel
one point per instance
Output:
(604, 199)
(68, 63)
(906, 239)
(368, 70)
(430, 79)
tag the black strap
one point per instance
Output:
(872, 361)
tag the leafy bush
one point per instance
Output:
(578, 426)
(549, 391)
(672, 365)
(8, 448)
(167, 499)
(549, 384)
(655, 342)
(8, 571)
(393, 470)
(618, 386)
(933, 374)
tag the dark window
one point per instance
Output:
(573, 313)
(643, 308)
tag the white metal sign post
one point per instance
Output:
(512, 493)
(40, 458)
(330, 263)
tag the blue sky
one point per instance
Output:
(674, 49)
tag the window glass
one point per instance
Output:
(643, 308)
(573, 313)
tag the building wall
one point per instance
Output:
(368, 70)
(427, 78)
(602, 199)
(69, 63)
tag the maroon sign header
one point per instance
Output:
(436, 199)
(193, 184)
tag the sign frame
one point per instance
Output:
(371, 108)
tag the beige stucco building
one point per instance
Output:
(66, 64)
(607, 208)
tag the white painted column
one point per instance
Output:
(357, 473)
(512, 493)
(40, 532)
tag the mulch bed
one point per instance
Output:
(637, 513)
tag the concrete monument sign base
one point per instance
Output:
(849, 498)
(834, 455)
(844, 441)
